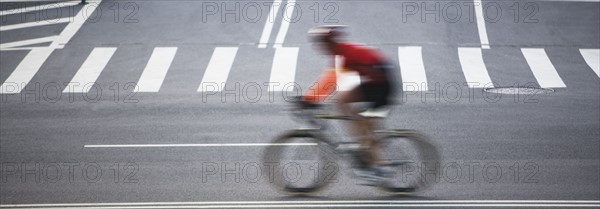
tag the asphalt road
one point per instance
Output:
(509, 147)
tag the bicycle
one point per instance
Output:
(404, 151)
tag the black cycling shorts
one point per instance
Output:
(377, 94)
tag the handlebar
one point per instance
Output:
(312, 114)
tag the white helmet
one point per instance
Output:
(326, 33)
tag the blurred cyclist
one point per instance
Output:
(375, 88)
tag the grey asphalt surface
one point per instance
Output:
(546, 145)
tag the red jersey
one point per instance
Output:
(362, 60)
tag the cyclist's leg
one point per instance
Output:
(378, 95)
(361, 127)
(344, 105)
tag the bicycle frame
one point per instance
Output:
(317, 121)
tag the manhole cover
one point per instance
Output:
(518, 90)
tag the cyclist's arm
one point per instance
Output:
(325, 85)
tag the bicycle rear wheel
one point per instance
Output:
(412, 161)
(303, 162)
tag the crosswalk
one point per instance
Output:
(411, 61)
(25, 70)
(90, 70)
(156, 69)
(542, 68)
(284, 68)
(218, 69)
(591, 57)
(471, 60)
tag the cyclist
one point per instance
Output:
(375, 88)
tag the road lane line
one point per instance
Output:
(542, 68)
(483, 37)
(471, 60)
(38, 7)
(271, 17)
(412, 68)
(283, 71)
(357, 203)
(218, 69)
(285, 24)
(198, 145)
(22, 48)
(35, 24)
(90, 70)
(156, 69)
(13, 1)
(78, 20)
(28, 42)
(592, 58)
(343, 206)
(572, 0)
(25, 71)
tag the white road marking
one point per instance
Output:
(573, 0)
(12, 1)
(471, 60)
(346, 81)
(283, 71)
(25, 71)
(218, 69)
(412, 68)
(38, 7)
(81, 17)
(35, 24)
(156, 69)
(89, 71)
(22, 48)
(592, 58)
(343, 206)
(542, 68)
(28, 42)
(198, 145)
(266, 33)
(285, 22)
(483, 37)
(325, 203)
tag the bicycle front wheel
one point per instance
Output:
(410, 158)
(302, 162)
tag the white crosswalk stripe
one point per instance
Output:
(283, 72)
(284, 69)
(592, 58)
(476, 74)
(218, 69)
(86, 76)
(25, 71)
(156, 69)
(412, 69)
(542, 68)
